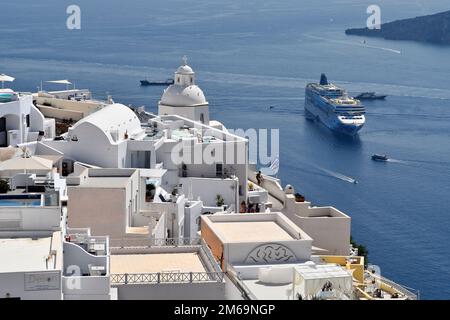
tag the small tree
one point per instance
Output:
(362, 250)
(4, 186)
(219, 200)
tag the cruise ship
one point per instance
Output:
(332, 106)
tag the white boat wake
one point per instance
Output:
(352, 43)
(397, 161)
(427, 165)
(380, 48)
(432, 165)
(338, 175)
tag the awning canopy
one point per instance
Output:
(311, 280)
(67, 82)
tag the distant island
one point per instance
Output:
(433, 28)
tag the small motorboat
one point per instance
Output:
(168, 82)
(370, 96)
(380, 157)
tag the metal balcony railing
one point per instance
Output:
(144, 242)
(166, 277)
(214, 274)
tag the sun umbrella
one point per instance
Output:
(5, 78)
(66, 82)
(33, 164)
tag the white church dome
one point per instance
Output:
(185, 70)
(181, 96)
(184, 92)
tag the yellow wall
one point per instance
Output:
(358, 268)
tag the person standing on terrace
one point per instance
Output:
(259, 178)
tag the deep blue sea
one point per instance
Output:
(249, 55)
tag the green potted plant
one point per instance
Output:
(4, 186)
(219, 201)
(299, 197)
(251, 186)
(150, 190)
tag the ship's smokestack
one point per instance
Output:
(323, 79)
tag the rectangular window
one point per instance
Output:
(147, 159)
(132, 160)
(219, 169)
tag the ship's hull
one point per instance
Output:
(317, 109)
(156, 83)
(371, 97)
(377, 157)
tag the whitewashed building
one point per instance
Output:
(198, 158)
(39, 257)
(21, 121)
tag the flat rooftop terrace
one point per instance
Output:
(265, 291)
(251, 231)
(105, 182)
(156, 262)
(26, 254)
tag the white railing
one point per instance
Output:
(145, 242)
(166, 277)
(207, 251)
(216, 275)
(73, 231)
(409, 293)
(271, 184)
